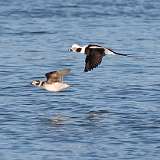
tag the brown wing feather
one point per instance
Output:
(64, 72)
(93, 58)
(52, 77)
(56, 76)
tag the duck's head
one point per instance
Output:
(36, 83)
(75, 48)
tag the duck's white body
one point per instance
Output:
(54, 82)
(55, 87)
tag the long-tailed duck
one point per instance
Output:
(94, 54)
(54, 81)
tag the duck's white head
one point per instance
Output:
(36, 83)
(76, 48)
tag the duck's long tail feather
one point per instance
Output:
(121, 54)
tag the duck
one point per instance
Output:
(54, 82)
(94, 54)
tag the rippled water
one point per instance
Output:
(112, 112)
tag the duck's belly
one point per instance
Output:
(56, 87)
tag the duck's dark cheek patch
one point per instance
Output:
(38, 82)
(78, 49)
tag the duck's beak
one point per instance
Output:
(70, 50)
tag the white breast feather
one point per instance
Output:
(83, 49)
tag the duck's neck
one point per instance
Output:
(83, 48)
(41, 84)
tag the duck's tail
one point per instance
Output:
(113, 52)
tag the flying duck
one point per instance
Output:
(94, 54)
(54, 82)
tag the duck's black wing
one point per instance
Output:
(93, 57)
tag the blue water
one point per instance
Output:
(110, 113)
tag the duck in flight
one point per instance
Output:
(94, 54)
(54, 82)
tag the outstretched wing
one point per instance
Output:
(56, 76)
(64, 72)
(52, 77)
(93, 58)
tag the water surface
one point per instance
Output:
(110, 113)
